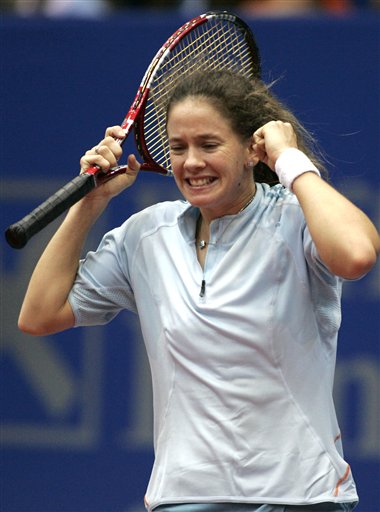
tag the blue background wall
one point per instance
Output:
(76, 407)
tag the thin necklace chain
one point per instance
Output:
(202, 244)
(247, 204)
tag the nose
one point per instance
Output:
(193, 160)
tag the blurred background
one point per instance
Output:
(76, 418)
(248, 7)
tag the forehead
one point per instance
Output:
(196, 109)
(199, 102)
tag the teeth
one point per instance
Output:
(197, 182)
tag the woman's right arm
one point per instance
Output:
(46, 309)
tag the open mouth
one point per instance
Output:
(200, 182)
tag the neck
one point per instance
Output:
(248, 201)
(202, 232)
(210, 214)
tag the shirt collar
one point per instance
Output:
(187, 219)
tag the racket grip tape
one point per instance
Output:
(18, 234)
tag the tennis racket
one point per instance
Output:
(211, 41)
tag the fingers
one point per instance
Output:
(280, 127)
(116, 132)
(271, 139)
(107, 153)
(259, 144)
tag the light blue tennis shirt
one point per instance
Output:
(243, 373)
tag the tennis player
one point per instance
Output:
(238, 290)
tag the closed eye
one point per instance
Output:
(176, 149)
(209, 146)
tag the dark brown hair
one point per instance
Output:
(248, 104)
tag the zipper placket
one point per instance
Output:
(203, 289)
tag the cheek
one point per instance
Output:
(177, 166)
(176, 173)
(177, 170)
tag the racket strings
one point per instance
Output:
(211, 46)
(199, 53)
(183, 60)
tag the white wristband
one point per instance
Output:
(291, 164)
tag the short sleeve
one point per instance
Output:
(102, 285)
(325, 287)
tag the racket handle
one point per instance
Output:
(18, 234)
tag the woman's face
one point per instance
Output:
(209, 160)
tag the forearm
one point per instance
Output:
(346, 239)
(45, 308)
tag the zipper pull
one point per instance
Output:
(203, 289)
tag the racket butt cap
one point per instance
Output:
(16, 237)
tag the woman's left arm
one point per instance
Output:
(347, 241)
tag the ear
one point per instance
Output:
(252, 158)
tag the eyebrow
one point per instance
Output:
(203, 136)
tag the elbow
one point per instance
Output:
(356, 264)
(38, 323)
(29, 320)
(31, 327)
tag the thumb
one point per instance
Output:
(133, 165)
